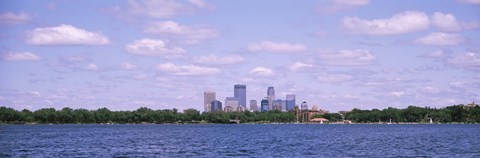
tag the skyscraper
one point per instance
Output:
(231, 102)
(270, 97)
(304, 105)
(253, 105)
(290, 101)
(240, 92)
(277, 104)
(264, 105)
(216, 106)
(208, 97)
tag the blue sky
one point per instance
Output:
(336, 54)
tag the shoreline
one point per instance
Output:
(249, 123)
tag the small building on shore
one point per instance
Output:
(319, 120)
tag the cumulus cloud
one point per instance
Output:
(12, 18)
(440, 39)
(91, 67)
(343, 5)
(153, 47)
(469, 60)
(186, 70)
(448, 22)
(334, 78)
(128, 66)
(164, 8)
(299, 66)
(192, 33)
(20, 56)
(276, 47)
(219, 60)
(262, 72)
(405, 22)
(398, 93)
(198, 3)
(65, 35)
(346, 57)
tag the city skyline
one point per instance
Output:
(163, 54)
(233, 103)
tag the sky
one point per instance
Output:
(163, 54)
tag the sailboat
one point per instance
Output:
(431, 121)
(390, 122)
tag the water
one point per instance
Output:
(239, 140)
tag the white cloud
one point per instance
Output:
(440, 39)
(198, 3)
(128, 66)
(186, 70)
(398, 93)
(268, 46)
(65, 35)
(470, 1)
(189, 32)
(34, 93)
(343, 5)
(448, 22)
(469, 60)
(219, 60)
(164, 8)
(12, 18)
(405, 22)
(346, 57)
(334, 78)
(439, 54)
(91, 67)
(20, 56)
(445, 22)
(299, 65)
(261, 71)
(153, 47)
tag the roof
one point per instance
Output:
(318, 119)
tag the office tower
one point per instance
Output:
(231, 102)
(270, 97)
(304, 105)
(216, 106)
(283, 105)
(240, 92)
(277, 104)
(290, 102)
(253, 105)
(264, 105)
(208, 97)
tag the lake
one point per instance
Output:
(243, 140)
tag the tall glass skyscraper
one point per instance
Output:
(208, 97)
(240, 92)
(290, 102)
(216, 106)
(270, 97)
(264, 105)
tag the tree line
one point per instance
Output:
(455, 113)
(141, 115)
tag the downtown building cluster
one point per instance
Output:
(239, 101)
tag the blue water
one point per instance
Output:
(239, 140)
